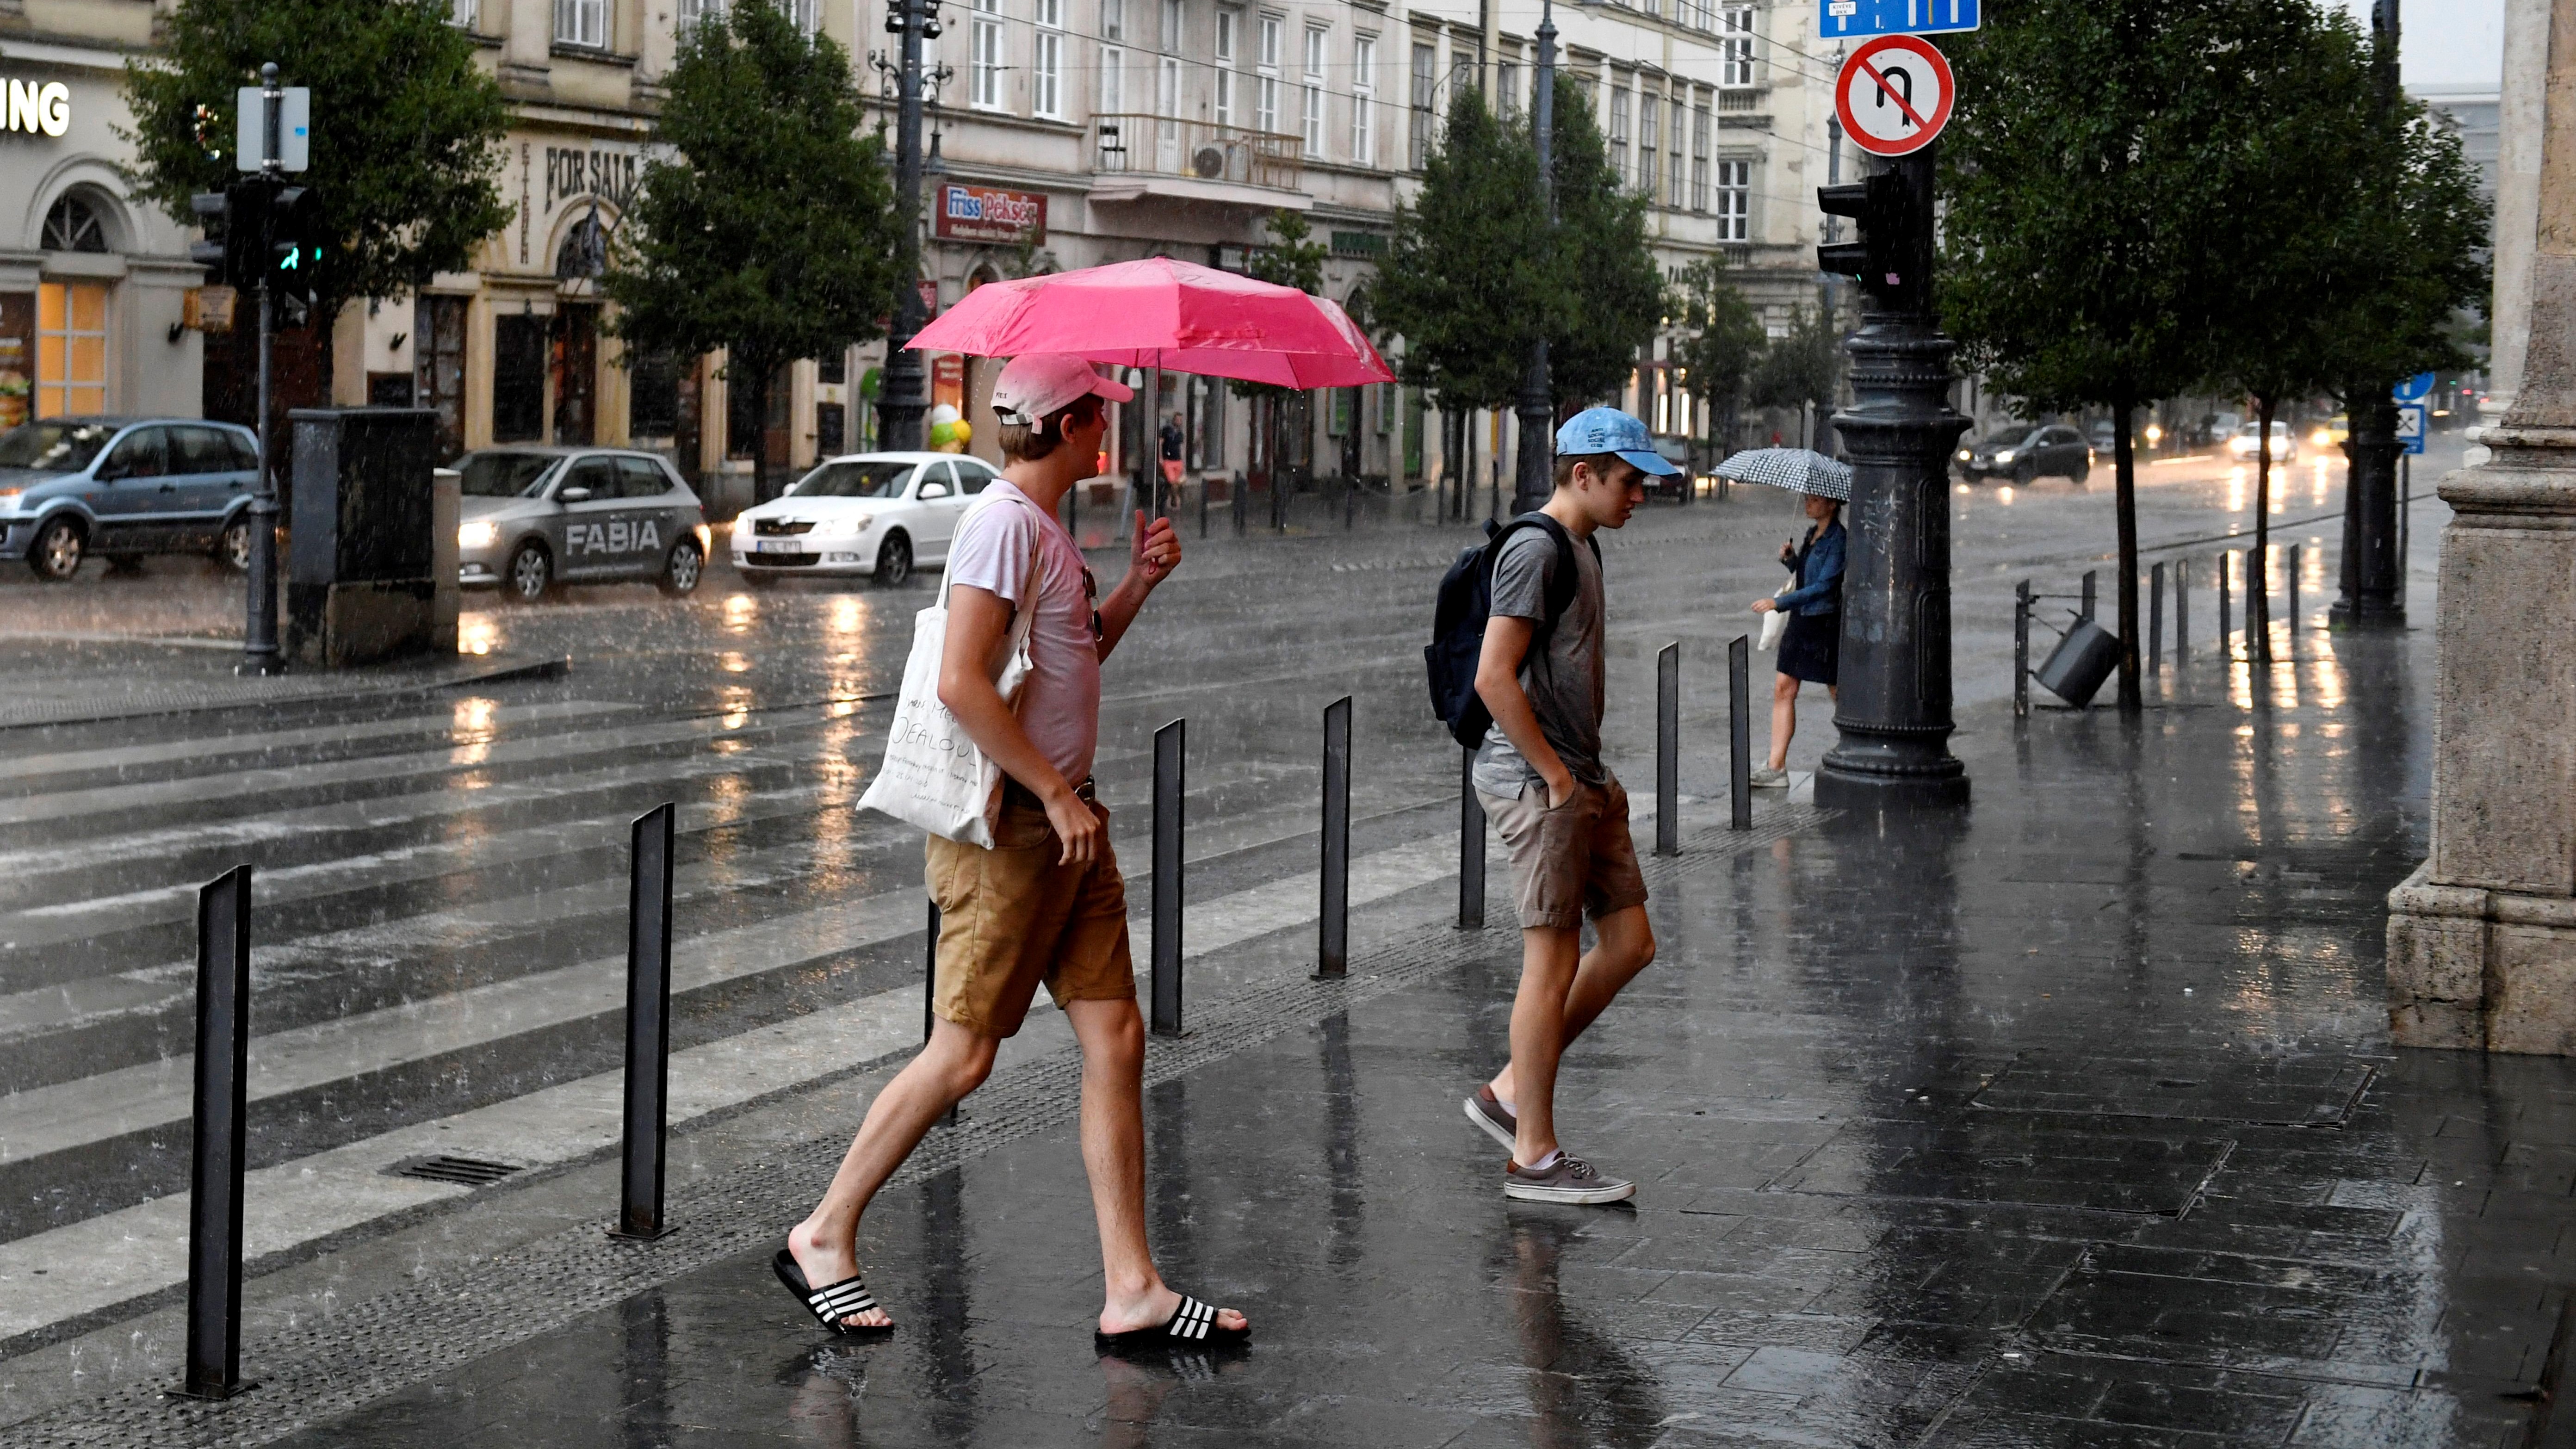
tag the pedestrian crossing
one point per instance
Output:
(439, 959)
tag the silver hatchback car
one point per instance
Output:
(533, 517)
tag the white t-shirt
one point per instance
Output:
(1060, 704)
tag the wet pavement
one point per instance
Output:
(2070, 1122)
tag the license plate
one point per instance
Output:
(777, 545)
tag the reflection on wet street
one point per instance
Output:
(2070, 1120)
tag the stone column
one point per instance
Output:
(2482, 937)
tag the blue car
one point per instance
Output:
(122, 488)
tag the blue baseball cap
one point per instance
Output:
(1608, 430)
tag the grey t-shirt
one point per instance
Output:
(1563, 680)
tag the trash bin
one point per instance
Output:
(361, 580)
(2080, 662)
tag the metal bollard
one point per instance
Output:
(1471, 846)
(2155, 618)
(2226, 607)
(648, 1026)
(1171, 763)
(930, 974)
(215, 1158)
(1739, 744)
(1668, 749)
(2182, 611)
(2086, 609)
(2290, 598)
(1203, 505)
(1238, 497)
(1333, 920)
(2021, 649)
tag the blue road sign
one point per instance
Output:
(2410, 426)
(2414, 389)
(1853, 19)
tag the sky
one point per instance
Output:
(2446, 42)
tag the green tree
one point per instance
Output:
(1467, 271)
(1607, 292)
(2116, 173)
(1718, 342)
(772, 234)
(1804, 366)
(406, 139)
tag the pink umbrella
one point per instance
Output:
(1164, 313)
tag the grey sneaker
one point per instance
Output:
(1487, 1111)
(1766, 778)
(1571, 1180)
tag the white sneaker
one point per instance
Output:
(1766, 778)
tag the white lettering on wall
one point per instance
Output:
(35, 107)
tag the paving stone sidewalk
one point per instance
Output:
(2069, 1121)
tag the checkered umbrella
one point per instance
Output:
(1800, 470)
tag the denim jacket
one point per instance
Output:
(1820, 574)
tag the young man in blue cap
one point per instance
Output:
(1563, 815)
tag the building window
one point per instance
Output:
(1265, 92)
(1171, 27)
(1699, 157)
(71, 347)
(691, 12)
(1619, 132)
(1674, 173)
(1650, 117)
(1426, 74)
(1113, 20)
(1228, 22)
(1046, 61)
(1311, 97)
(1735, 45)
(582, 22)
(1113, 80)
(73, 226)
(1364, 100)
(803, 13)
(1507, 88)
(984, 64)
(463, 13)
(1734, 201)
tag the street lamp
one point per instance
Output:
(1530, 481)
(900, 399)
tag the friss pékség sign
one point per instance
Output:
(36, 107)
(985, 213)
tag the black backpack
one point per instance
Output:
(1458, 621)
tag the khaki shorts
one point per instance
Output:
(1571, 858)
(1011, 917)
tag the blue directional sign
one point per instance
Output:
(1853, 19)
(2410, 427)
(2414, 389)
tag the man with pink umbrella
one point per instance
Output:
(1044, 902)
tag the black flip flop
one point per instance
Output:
(833, 1301)
(1193, 1325)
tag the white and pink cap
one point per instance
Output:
(1037, 385)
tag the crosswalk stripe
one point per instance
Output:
(205, 749)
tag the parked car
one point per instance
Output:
(123, 488)
(2025, 451)
(2248, 441)
(531, 518)
(873, 515)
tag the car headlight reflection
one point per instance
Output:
(481, 533)
(2005, 456)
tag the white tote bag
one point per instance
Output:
(1776, 623)
(935, 775)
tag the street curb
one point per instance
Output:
(291, 689)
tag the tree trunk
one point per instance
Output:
(2258, 566)
(2124, 471)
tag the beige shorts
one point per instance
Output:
(1011, 917)
(1569, 859)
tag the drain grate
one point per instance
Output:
(470, 1171)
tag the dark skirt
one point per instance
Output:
(1811, 647)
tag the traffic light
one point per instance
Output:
(1892, 251)
(235, 220)
(294, 225)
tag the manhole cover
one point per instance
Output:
(470, 1171)
(2317, 1091)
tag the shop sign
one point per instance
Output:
(39, 106)
(608, 175)
(988, 214)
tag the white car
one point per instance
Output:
(877, 515)
(2249, 441)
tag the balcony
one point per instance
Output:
(1170, 158)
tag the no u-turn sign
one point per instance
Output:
(1894, 95)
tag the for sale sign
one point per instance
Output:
(990, 214)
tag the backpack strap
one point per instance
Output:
(1562, 581)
